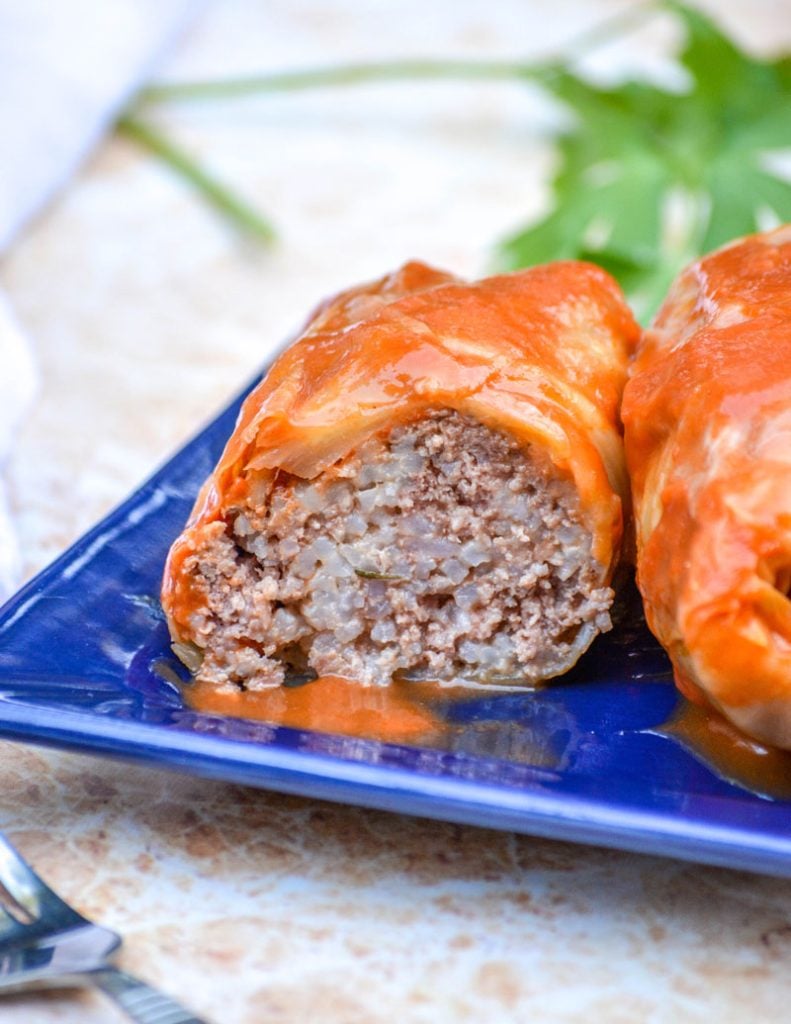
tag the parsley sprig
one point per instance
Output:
(646, 178)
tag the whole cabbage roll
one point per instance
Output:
(707, 415)
(429, 482)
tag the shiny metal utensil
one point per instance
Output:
(44, 942)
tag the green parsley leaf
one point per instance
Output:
(636, 153)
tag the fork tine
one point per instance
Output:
(37, 923)
(12, 930)
(43, 939)
(13, 909)
(29, 893)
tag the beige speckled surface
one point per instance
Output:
(146, 315)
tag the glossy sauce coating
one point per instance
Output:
(540, 354)
(707, 415)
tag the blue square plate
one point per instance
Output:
(85, 665)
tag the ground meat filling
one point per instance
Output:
(443, 550)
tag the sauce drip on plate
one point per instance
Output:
(407, 711)
(331, 704)
(730, 754)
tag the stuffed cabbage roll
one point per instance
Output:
(429, 482)
(707, 414)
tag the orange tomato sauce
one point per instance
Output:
(399, 712)
(406, 711)
(729, 753)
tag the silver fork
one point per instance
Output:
(45, 942)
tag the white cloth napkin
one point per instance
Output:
(16, 390)
(66, 69)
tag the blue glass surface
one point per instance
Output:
(85, 664)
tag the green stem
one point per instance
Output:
(242, 215)
(345, 74)
(395, 70)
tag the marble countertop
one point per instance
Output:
(147, 314)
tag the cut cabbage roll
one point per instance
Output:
(430, 482)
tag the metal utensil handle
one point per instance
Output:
(141, 1002)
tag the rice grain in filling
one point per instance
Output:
(441, 549)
